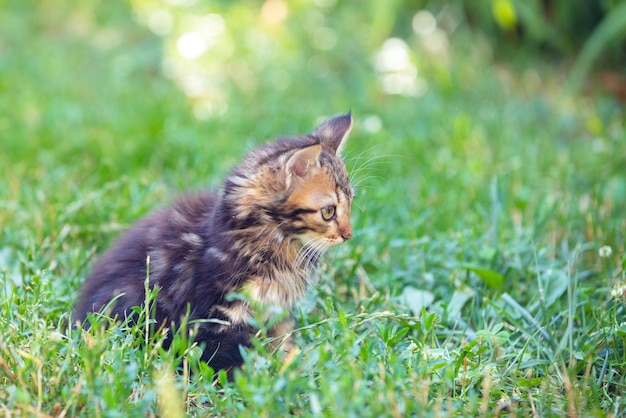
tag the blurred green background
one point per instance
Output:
(488, 152)
(466, 118)
(448, 95)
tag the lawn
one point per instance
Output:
(485, 276)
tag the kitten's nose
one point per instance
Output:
(346, 233)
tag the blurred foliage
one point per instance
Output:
(483, 195)
(219, 49)
(548, 25)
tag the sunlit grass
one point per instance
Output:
(489, 195)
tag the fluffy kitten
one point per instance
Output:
(260, 236)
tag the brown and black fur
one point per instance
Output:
(260, 236)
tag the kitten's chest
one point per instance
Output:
(283, 288)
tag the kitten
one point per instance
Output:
(261, 236)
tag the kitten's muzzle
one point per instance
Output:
(346, 233)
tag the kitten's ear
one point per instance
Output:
(302, 161)
(333, 133)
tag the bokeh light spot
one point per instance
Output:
(504, 14)
(191, 45)
(394, 55)
(160, 22)
(396, 73)
(436, 42)
(212, 25)
(324, 38)
(274, 11)
(372, 124)
(424, 23)
(183, 3)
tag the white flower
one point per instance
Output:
(605, 251)
(618, 290)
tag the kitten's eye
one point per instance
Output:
(328, 213)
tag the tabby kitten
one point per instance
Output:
(261, 237)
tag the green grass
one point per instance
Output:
(488, 196)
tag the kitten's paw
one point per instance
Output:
(290, 357)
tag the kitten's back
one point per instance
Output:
(170, 239)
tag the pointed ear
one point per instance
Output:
(333, 133)
(302, 161)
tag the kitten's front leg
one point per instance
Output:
(281, 335)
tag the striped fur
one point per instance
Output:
(261, 236)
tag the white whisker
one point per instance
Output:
(357, 184)
(309, 253)
(369, 163)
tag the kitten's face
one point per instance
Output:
(296, 188)
(321, 209)
(320, 195)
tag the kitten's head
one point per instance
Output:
(296, 188)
